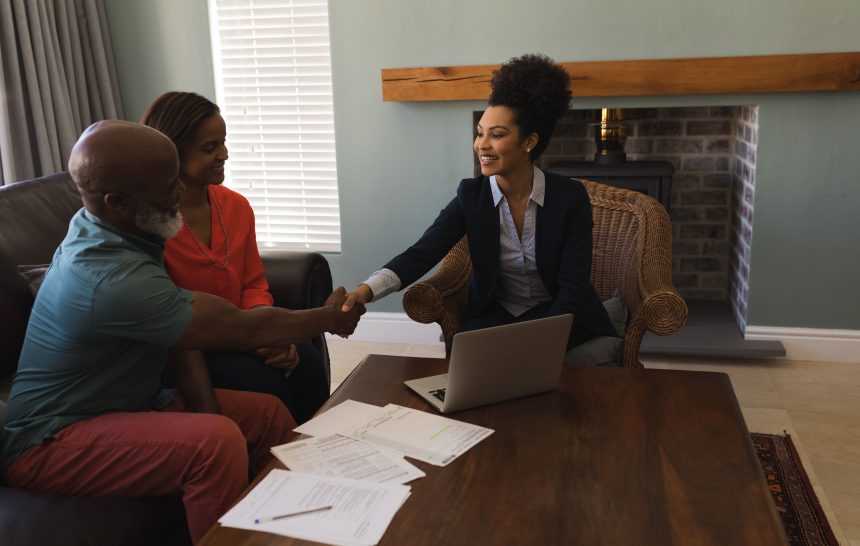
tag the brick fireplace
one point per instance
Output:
(713, 151)
(712, 207)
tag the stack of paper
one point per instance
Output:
(346, 481)
(346, 458)
(430, 438)
(359, 511)
(423, 436)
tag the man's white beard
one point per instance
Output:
(165, 224)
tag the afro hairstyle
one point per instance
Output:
(537, 90)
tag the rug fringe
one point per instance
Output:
(805, 485)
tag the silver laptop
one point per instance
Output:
(499, 363)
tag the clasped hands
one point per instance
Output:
(346, 308)
(284, 357)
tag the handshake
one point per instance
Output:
(346, 308)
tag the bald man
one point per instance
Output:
(86, 413)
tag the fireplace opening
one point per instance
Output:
(701, 162)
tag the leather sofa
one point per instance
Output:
(34, 218)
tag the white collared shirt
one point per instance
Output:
(520, 287)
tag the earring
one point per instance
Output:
(528, 150)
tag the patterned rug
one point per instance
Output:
(798, 507)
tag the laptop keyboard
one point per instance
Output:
(439, 393)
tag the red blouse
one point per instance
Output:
(190, 262)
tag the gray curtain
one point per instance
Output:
(58, 76)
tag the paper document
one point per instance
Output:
(427, 437)
(359, 515)
(347, 414)
(348, 458)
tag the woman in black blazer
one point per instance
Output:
(529, 231)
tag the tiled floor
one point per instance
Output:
(817, 403)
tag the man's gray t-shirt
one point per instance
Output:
(98, 334)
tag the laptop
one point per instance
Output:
(499, 363)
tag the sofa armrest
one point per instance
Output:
(37, 519)
(300, 280)
(297, 280)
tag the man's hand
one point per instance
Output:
(189, 373)
(361, 294)
(343, 321)
(284, 358)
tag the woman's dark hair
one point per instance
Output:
(178, 114)
(537, 90)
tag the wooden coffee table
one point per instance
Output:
(615, 456)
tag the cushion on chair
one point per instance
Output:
(603, 350)
(34, 275)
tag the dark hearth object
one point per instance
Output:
(653, 178)
(609, 139)
(610, 135)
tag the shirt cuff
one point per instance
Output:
(382, 283)
(255, 297)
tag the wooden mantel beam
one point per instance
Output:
(757, 74)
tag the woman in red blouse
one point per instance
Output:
(216, 252)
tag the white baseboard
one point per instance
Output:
(812, 343)
(395, 328)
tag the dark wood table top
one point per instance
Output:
(614, 456)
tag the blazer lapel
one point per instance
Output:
(545, 230)
(484, 246)
(490, 234)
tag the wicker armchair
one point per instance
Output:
(632, 252)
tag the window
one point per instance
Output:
(273, 84)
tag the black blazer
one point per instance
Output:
(563, 247)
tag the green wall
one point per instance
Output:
(399, 163)
(160, 46)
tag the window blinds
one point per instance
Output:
(273, 80)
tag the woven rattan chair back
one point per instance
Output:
(632, 252)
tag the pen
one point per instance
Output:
(291, 514)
